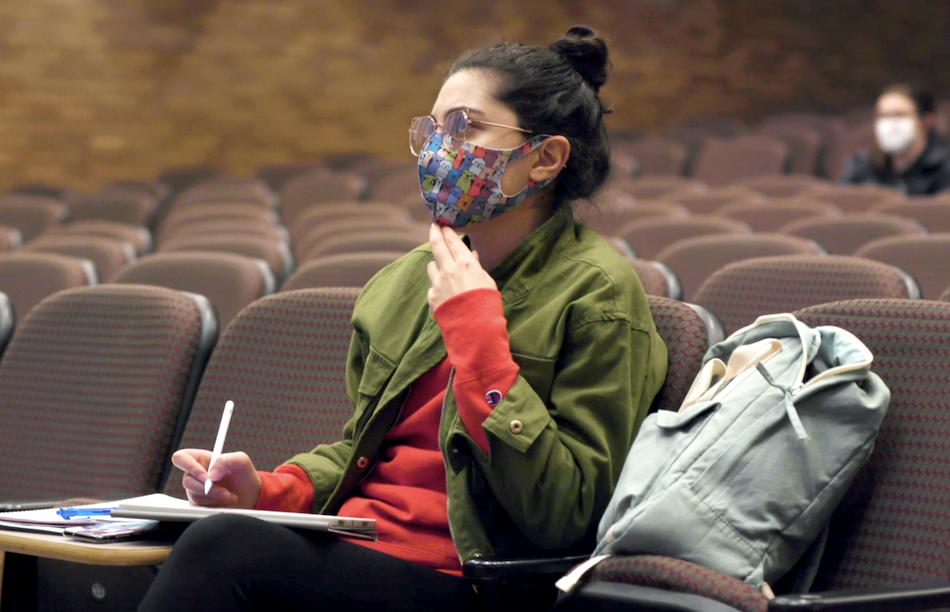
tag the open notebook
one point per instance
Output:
(164, 508)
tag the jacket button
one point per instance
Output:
(477, 555)
(515, 426)
(362, 462)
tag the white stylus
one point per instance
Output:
(219, 441)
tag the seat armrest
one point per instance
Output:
(906, 598)
(495, 568)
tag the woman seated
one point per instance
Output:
(908, 154)
(498, 379)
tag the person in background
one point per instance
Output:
(498, 379)
(908, 154)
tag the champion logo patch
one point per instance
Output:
(493, 397)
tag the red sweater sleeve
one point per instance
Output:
(476, 336)
(286, 489)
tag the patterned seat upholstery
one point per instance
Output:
(616, 209)
(229, 281)
(115, 203)
(199, 214)
(344, 270)
(27, 278)
(934, 214)
(273, 251)
(742, 291)
(657, 278)
(139, 237)
(666, 574)
(230, 191)
(926, 258)
(652, 187)
(710, 201)
(318, 186)
(772, 215)
(688, 331)
(695, 259)
(31, 215)
(309, 236)
(857, 198)
(7, 321)
(845, 235)
(283, 364)
(315, 217)
(93, 383)
(649, 236)
(108, 254)
(892, 526)
(403, 240)
(721, 162)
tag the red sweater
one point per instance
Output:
(405, 492)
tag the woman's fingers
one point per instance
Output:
(440, 251)
(454, 244)
(192, 461)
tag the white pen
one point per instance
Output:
(219, 441)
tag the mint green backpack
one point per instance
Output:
(745, 476)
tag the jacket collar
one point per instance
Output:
(524, 267)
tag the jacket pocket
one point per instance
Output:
(538, 371)
(377, 370)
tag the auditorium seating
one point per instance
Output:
(774, 214)
(926, 257)
(107, 254)
(274, 252)
(657, 278)
(114, 203)
(27, 278)
(696, 259)
(7, 323)
(647, 237)
(10, 239)
(342, 270)
(139, 237)
(711, 200)
(742, 291)
(316, 187)
(846, 234)
(932, 213)
(230, 282)
(282, 362)
(882, 551)
(98, 378)
(31, 215)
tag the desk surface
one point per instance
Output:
(51, 546)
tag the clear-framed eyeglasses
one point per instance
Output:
(454, 130)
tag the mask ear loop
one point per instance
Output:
(534, 147)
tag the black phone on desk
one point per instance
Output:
(103, 533)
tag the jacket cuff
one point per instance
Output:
(286, 489)
(476, 338)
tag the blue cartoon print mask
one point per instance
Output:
(464, 187)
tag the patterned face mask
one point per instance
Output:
(463, 187)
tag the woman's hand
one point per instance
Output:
(236, 482)
(455, 269)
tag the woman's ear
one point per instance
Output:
(552, 157)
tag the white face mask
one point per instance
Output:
(895, 134)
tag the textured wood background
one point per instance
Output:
(96, 90)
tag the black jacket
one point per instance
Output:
(928, 174)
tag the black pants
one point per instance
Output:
(227, 563)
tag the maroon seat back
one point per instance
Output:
(28, 278)
(283, 364)
(343, 270)
(93, 384)
(925, 257)
(742, 291)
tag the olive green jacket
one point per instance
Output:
(590, 363)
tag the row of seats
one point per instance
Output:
(109, 379)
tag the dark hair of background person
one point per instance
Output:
(555, 90)
(923, 100)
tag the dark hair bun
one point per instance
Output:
(586, 52)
